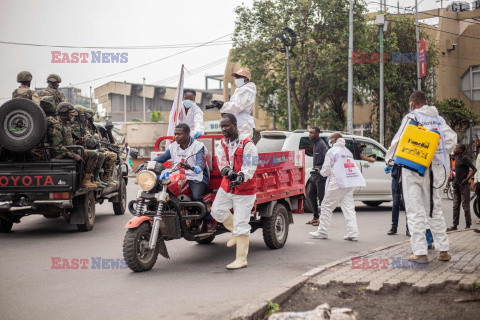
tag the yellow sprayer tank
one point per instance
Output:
(416, 148)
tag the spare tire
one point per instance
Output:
(23, 125)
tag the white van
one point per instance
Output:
(378, 189)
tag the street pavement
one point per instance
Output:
(194, 284)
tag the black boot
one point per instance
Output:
(392, 231)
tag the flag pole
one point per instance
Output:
(177, 107)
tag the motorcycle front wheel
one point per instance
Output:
(138, 256)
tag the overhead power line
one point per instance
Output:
(154, 61)
(164, 46)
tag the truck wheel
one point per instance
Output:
(135, 248)
(23, 125)
(207, 240)
(373, 203)
(86, 205)
(5, 225)
(307, 206)
(275, 228)
(120, 206)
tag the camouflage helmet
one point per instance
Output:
(89, 113)
(54, 78)
(79, 108)
(47, 103)
(24, 76)
(64, 108)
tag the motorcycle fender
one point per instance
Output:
(135, 222)
(162, 248)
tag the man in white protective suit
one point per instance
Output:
(416, 189)
(241, 103)
(343, 177)
(237, 160)
(191, 114)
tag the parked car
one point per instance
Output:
(378, 189)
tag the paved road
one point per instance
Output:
(194, 284)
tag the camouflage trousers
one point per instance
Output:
(91, 158)
(110, 159)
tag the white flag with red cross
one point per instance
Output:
(346, 171)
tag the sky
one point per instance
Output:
(124, 24)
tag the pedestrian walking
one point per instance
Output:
(396, 172)
(343, 177)
(422, 194)
(317, 181)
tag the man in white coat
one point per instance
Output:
(241, 103)
(191, 114)
(416, 188)
(237, 160)
(343, 177)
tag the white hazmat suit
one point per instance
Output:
(343, 177)
(242, 204)
(193, 118)
(416, 189)
(241, 105)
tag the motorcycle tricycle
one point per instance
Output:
(164, 210)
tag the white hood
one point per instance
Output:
(340, 143)
(431, 111)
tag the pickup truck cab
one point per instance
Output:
(378, 188)
(51, 187)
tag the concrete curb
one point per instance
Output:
(257, 309)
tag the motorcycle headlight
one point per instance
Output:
(147, 180)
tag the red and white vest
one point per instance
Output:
(249, 187)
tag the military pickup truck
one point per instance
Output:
(51, 187)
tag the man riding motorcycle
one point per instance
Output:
(191, 151)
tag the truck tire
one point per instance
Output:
(5, 226)
(373, 203)
(307, 206)
(207, 240)
(86, 205)
(135, 248)
(275, 228)
(120, 206)
(23, 125)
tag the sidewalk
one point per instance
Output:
(384, 269)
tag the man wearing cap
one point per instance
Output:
(241, 103)
(53, 81)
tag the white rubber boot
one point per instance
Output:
(242, 252)
(229, 225)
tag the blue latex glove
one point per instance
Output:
(197, 169)
(387, 169)
(198, 134)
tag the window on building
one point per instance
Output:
(471, 83)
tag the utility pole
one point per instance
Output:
(419, 81)
(125, 101)
(382, 107)
(90, 97)
(288, 92)
(350, 71)
(398, 6)
(143, 93)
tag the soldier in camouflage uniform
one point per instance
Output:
(80, 135)
(110, 157)
(47, 103)
(24, 91)
(60, 136)
(53, 82)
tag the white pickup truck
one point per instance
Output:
(378, 189)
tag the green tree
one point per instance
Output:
(400, 75)
(319, 61)
(155, 116)
(457, 115)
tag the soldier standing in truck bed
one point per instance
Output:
(24, 91)
(60, 136)
(53, 82)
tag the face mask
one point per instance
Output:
(239, 82)
(188, 103)
(330, 144)
(411, 106)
